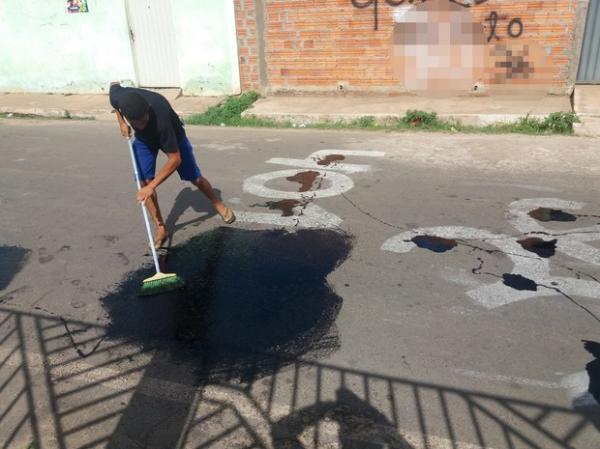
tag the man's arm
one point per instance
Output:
(125, 129)
(173, 161)
(123, 125)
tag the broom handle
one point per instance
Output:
(144, 209)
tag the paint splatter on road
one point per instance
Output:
(305, 178)
(546, 214)
(251, 297)
(330, 159)
(519, 282)
(433, 243)
(539, 246)
(285, 206)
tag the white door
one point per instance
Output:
(152, 32)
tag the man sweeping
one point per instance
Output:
(158, 127)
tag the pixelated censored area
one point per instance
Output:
(518, 64)
(381, 45)
(441, 49)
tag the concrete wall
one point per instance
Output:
(43, 49)
(437, 45)
(207, 46)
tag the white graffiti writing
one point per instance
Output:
(325, 168)
(573, 243)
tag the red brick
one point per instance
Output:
(320, 42)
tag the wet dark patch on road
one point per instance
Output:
(285, 206)
(433, 243)
(519, 282)
(305, 178)
(545, 214)
(542, 248)
(251, 297)
(330, 159)
(12, 260)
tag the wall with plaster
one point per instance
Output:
(44, 49)
(400, 46)
(206, 47)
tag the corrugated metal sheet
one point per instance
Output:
(154, 45)
(589, 64)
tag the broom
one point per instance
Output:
(160, 282)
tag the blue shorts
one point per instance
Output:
(146, 160)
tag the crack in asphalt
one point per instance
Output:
(368, 214)
(478, 271)
(494, 251)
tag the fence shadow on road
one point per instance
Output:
(63, 385)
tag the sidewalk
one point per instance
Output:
(470, 110)
(92, 106)
(587, 106)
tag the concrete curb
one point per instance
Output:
(465, 119)
(474, 111)
(58, 113)
(92, 106)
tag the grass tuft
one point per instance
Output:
(229, 114)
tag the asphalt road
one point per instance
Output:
(391, 291)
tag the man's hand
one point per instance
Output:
(125, 130)
(144, 193)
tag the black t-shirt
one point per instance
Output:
(164, 127)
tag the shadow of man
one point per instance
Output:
(187, 198)
(593, 370)
(12, 260)
(361, 425)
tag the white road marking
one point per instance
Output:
(511, 379)
(312, 216)
(338, 184)
(311, 161)
(577, 385)
(526, 263)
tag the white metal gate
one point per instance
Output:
(152, 33)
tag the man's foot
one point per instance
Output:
(161, 237)
(227, 215)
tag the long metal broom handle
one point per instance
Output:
(144, 209)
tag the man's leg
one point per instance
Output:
(205, 187)
(161, 234)
(188, 170)
(146, 163)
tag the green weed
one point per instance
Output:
(228, 113)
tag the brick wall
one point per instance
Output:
(318, 45)
(245, 17)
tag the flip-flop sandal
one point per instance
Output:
(228, 217)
